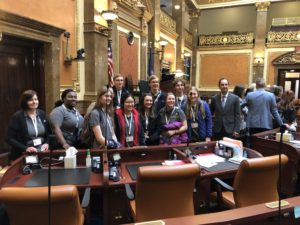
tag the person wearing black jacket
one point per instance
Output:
(119, 90)
(148, 120)
(28, 129)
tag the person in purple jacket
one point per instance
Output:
(198, 116)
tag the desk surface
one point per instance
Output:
(12, 176)
(245, 215)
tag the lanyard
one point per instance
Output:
(129, 124)
(193, 114)
(109, 123)
(76, 114)
(168, 120)
(34, 121)
(157, 97)
(147, 120)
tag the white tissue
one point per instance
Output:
(70, 158)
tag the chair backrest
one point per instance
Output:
(257, 180)
(29, 206)
(165, 191)
(4, 159)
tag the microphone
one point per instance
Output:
(52, 144)
(52, 141)
(282, 128)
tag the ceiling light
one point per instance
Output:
(187, 54)
(176, 7)
(163, 42)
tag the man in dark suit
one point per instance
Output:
(119, 90)
(226, 110)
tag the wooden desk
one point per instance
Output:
(256, 214)
(11, 176)
(116, 210)
(266, 144)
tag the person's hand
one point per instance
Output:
(170, 133)
(31, 149)
(45, 147)
(287, 126)
(235, 134)
(207, 139)
(66, 146)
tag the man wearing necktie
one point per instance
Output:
(119, 90)
(226, 110)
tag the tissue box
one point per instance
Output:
(70, 162)
(285, 137)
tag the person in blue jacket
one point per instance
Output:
(198, 116)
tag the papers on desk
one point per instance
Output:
(208, 160)
(295, 143)
(173, 162)
(155, 222)
(237, 160)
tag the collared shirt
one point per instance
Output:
(225, 99)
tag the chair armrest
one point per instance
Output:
(223, 184)
(129, 192)
(86, 198)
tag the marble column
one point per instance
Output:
(154, 36)
(194, 17)
(260, 37)
(178, 15)
(144, 50)
(95, 42)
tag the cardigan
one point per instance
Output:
(17, 132)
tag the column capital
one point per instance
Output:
(262, 6)
(194, 13)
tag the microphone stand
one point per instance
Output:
(52, 141)
(282, 129)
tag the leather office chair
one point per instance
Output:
(4, 159)
(164, 191)
(255, 182)
(29, 206)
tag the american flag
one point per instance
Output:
(110, 66)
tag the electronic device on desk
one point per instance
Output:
(31, 162)
(96, 164)
(114, 164)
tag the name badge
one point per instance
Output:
(194, 125)
(129, 139)
(37, 142)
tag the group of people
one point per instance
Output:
(115, 119)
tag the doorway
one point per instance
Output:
(289, 79)
(21, 68)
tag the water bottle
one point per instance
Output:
(88, 160)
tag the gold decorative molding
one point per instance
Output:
(262, 6)
(188, 37)
(283, 37)
(288, 58)
(167, 21)
(285, 21)
(243, 40)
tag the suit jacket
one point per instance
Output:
(229, 116)
(115, 98)
(262, 109)
(17, 132)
